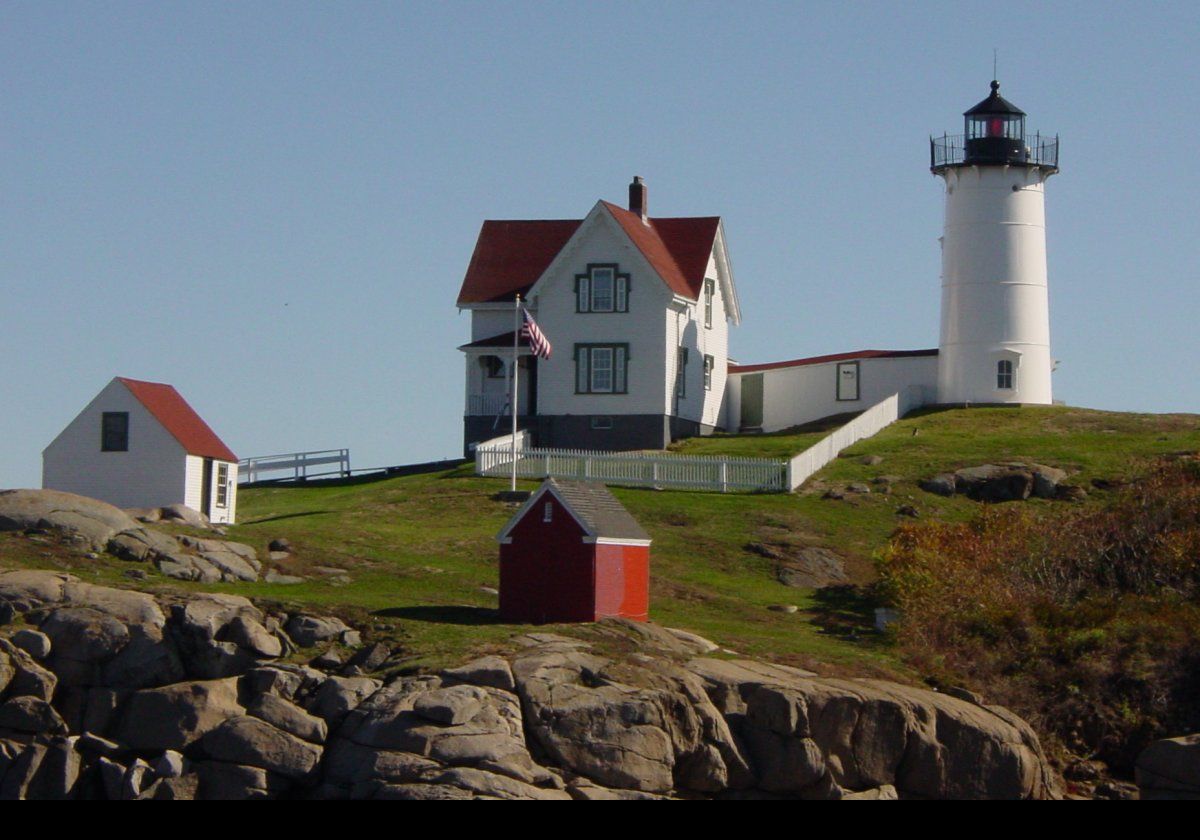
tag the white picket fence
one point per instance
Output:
(660, 469)
(639, 469)
(870, 422)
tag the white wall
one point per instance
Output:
(803, 393)
(150, 474)
(994, 294)
(600, 240)
(195, 483)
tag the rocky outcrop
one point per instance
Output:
(138, 697)
(1006, 482)
(100, 526)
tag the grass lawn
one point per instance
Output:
(413, 558)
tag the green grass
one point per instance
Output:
(419, 550)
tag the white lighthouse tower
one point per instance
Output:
(995, 341)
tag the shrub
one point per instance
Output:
(1086, 620)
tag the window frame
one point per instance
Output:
(837, 386)
(681, 362)
(710, 288)
(222, 485)
(618, 367)
(585, 290)
(709, 364)
(1009, 375)
(114, 438)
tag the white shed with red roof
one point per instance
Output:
(140, 445)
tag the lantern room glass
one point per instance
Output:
(1010, 126)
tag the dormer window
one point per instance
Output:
(602, 289)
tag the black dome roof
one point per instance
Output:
(995, 104)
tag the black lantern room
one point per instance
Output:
(995, 130)
(994, 134)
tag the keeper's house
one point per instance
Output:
(573, 553)
(140, 445)
(637, 309)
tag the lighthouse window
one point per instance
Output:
(1004, 375)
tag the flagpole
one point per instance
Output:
(515, 377)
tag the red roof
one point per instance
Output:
(179, 418)
(835, 357)
(510, 256)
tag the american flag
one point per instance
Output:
(538, 343)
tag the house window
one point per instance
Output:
(601, 368)
(708, 371)
(114, 431)
(602, 424)
(709, 289)
(1005, 375)
(602, 289)
(681, 356)
(548, 512)
(222, 485)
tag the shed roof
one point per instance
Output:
(179, 418)
(596, 510)
(833, 357)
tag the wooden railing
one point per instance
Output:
(298, 464)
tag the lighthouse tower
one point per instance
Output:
(995, 340)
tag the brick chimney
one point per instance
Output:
(637, 197)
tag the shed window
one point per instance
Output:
(1005, 375)
(548, 512)
(114, 431)
(222, 485)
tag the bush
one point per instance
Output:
(1087, 621)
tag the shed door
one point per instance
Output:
(752, 401)
(206, 480)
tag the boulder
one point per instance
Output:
(250, 741)
(185, 515)
(33, 642)
(83, 640)
(250, 635)
(944, 484)
(25, 677)
(1170, 769)
(339, 695)
(805, 732)
(491, 671)
(289, 717)
(30, 714)
(175, 716)
(89, 522)
(221, 780)
(310, 630)
(451, 706)
(26, 589)
(812, 567)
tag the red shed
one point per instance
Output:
(573, 553)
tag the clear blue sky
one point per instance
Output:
(271, 205)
